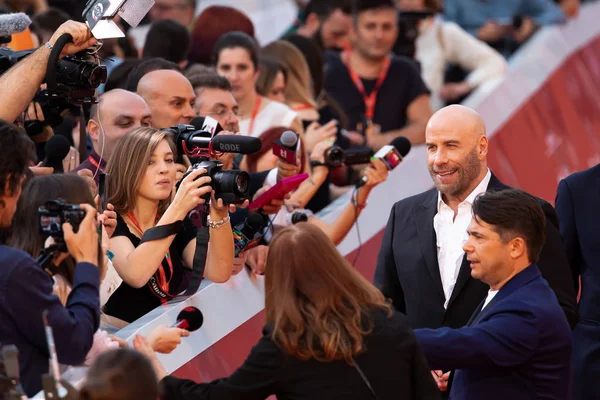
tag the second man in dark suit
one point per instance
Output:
(422, 266)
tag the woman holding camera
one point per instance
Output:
(142, 178)
(330, 334)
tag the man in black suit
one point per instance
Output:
(577, 202)
(421, 266)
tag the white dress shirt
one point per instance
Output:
(451, 235)
(489, 297)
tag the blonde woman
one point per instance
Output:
(142, 177)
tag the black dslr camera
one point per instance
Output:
(55, 213)
(230, 186)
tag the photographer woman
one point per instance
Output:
(326, 326)
(142, 178)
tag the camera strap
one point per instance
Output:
(202, 238)
(370, 100)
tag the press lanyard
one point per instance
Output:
(254, 114)
(370, 100)
(163, 284)
(95, 163)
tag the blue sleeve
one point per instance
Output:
(73, 326)
(568, 230)
(507, 339)
(543, 12)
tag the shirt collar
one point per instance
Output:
(481, 188)
(96, 157)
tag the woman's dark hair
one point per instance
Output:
(267, 138)
(167, 39)
(269, 68)
(121, 374)
(513, 213)
(40, 189)
(120, 74)
(211, 24)
(16, 153)
(233, 40)
(317, 304)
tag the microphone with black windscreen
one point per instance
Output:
(57, 148)
(286, 147)
(248, 234)
(391, 154)
(190, 319)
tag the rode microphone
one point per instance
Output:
(391, 154)
(187, 137)
(247, 235)
(11, 24)
(56, 149)
(190, 319)
(286, 147)
(207, 124)
(298, 216)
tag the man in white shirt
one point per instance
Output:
(422, 266)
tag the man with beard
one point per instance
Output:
(422, 266)
(328, 22)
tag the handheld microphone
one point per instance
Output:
(11, 24)
(247, 235)
(207, 124)
(391, 154)
(190, 319)
(298, 216)
(56, 150)
(285, 148)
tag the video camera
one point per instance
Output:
(335, 156)
(200, 146)
(76, 78)
(408, 31)
(55, 213)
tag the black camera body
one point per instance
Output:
(335, 156)
(232, 186)
(76, 76)
(55, 213)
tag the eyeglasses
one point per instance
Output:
(226, 113)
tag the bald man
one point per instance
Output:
(117, 112)
(422, 267)
(170, 96)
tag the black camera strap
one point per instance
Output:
(202, 238)
(161, 231)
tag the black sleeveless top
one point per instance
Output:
(128, 303)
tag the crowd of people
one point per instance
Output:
(475, 289)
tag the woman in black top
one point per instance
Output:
(324, 323)
(142, 178)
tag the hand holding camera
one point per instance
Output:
(82, 37)
(83, 244)
(191, 192)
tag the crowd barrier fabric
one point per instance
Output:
(543, 121)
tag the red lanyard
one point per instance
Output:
(370, 100)
(162, 279)
(254, 113)
(95, 164)
(303, 107)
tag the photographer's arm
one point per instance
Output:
(309, 187)
(219, 259)
(20, 83)
(338, 230)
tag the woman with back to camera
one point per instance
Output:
(236, 58)
(142, 178)
(325, 322)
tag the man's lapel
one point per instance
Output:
(427, 239)
(464, 274)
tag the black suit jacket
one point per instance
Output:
(393, 363)
(408, 272)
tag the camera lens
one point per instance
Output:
(334, 156)
(242, 183)
(231, 186)
(93, 75)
